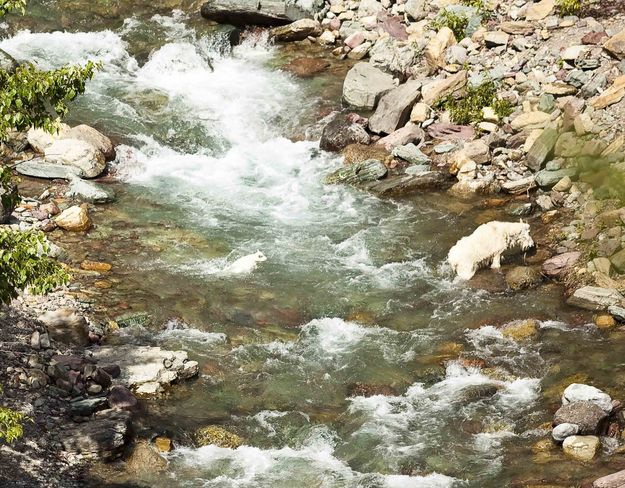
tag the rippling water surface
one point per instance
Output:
(218, 158)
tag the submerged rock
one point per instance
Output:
(213, 434)
(521, 330)
(521, 277)
(582, 448)
(145, 459)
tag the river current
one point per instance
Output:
(217, 158)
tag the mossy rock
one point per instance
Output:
(357, 173)
(521, 330)
(213, 434)
(357, 153)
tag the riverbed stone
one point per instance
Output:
(103, 438)
(530, 120)
(78, 154)
(89, 191)
(581, 448)
(92, 136)
(410, 133)
(547, 179)
(615, 45)
(340, 132)
(266, 13)
(614, 480)
(66, 325)
(358, 173)
(74, 219)
(364, 85)
(394, 108)
(145, 459)
(539, 10)
(38, 168)
(435, 49)
(216, 435)
(595, 298)
(542, 148)
(564, 430)
(578, 392)
(440, 88)
(146, 365)
(306, 67)
(588, 416)
(558, 266)
(521, 277)
(521, 330)
(121, 398)
(296, 31)
(411, 153)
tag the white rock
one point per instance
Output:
(562, 431)
(578, 392)
(77, 153)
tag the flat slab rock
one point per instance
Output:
(595, 298)
(146, 369)
(410, 184)
(103, 437)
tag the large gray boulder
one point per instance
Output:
(394, 108)
(364, 85)
(76, 153)
(588, 416)
(595, 298)
(259, 12)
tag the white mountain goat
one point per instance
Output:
(246, 264)
(486, 245)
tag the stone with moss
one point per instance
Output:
(213, 434)
(521, 330)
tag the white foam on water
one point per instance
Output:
(251, 467)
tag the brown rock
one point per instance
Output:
(616, 45)
(588, 416)
(95, 266)
(74, 219)
(163, 444)
(357, 153)
(612, 95)
(145, 459)
(521, 277)
(307, 67)
(66, 326)
(605, 322)
(594, 37)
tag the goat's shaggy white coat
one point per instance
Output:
(486, 245)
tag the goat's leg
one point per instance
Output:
(496, 262)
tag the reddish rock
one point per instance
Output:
(121, 398)
(594, 38)
(307, 67)
(557, 266)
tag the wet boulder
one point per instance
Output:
(358, 173)
(94, 137)
(476, 393)
(267, 13)
(580, 447)
(145, 459)
(7, 62)
(342, 131)
(74, 219)
(296, 31)
(521, 277)
(218, 436)
(578, 392)
(307, 67)
(588, 416)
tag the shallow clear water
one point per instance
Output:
(217, 159)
